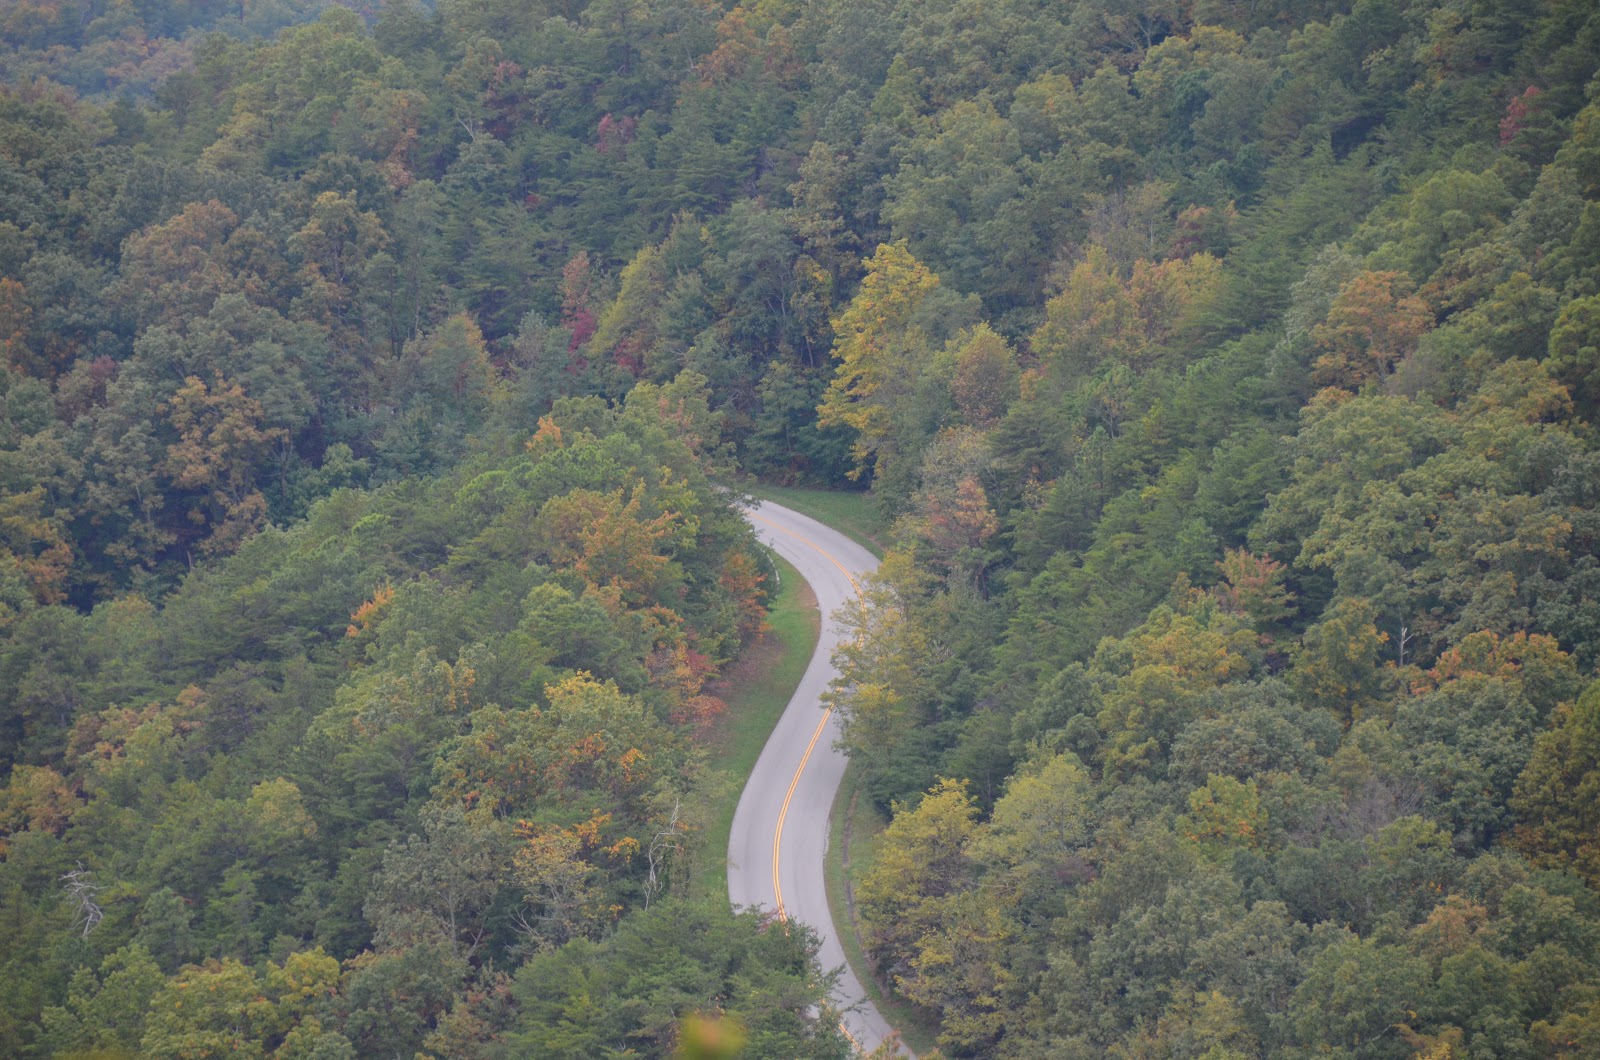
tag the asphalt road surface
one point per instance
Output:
(780, 830)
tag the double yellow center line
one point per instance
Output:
(794, 782)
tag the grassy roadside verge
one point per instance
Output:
(756, 688)
(854, 829)
(852, 514)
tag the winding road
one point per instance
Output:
(780, 829)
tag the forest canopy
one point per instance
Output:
(1225, 376)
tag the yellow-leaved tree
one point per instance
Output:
(879, 345)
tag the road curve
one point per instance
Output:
(780, 829)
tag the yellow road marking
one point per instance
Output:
(783, 811)
(824, 553)
(794, 782)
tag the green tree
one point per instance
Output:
(1145, 319)
(1038, 832)
(439, 884)
(1337, 666)
(392, 999)
(1556, 798)
(1354, 992)
(1574, 354)
(886, 676)
(922, 860)
(960, 202)
(107, 1011)
(226, 1008)
(668, 963)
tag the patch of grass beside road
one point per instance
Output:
(851, 513)
(756, 688)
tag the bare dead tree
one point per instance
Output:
(81, 890)
(656, 856)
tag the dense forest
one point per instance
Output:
(372, 377)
